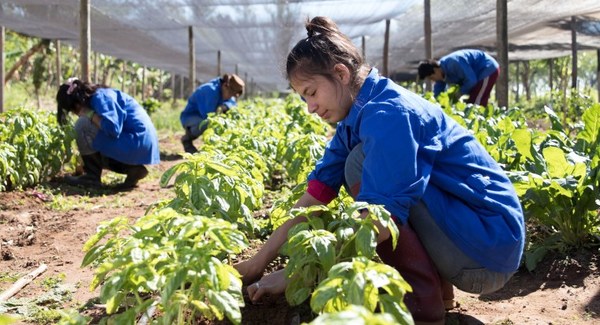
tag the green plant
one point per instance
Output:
(356, 315)
(151, 105)
(316, 245)
(362, 282)
(33, 147)
(169, 259)
(564, 194)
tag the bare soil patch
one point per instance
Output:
(36, 228)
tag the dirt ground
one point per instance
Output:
(49, 224)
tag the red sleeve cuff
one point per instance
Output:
(320, 191)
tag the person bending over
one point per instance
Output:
(112, 132)
(217, 95)
(474, 71)
(458, 214)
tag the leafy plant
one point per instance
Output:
(362, 282)
(565, 195)
(170, 259)
(32, 147)
(356, 315)
(315, 246)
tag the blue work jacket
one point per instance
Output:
(205, 99)
(126, 132)
(465, 68)
(414, 151)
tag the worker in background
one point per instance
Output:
(113, 132)
(474, 71)
(218, 95)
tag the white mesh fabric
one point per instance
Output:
(257, 35)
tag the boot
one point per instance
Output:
(134, 173)
(416, 267)
(448, 295)
(92, 172)
(187, 142)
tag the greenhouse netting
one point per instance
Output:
(253, 36)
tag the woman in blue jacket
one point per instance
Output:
(459, 217)
(113, 132)
(217, 95)
(474, 71)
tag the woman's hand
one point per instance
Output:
(270, 285)
(249, 271)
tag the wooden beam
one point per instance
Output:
(428, 39)
(144, 83)
(219, 63)
(192, 49)
(502, 48)
(84, 39)
(22, 282)
(124, 74)
(598, 73)
(551, 74)
(386, 48)
(181, 85)
(2, 39)
(58, 65)
(364, 47)
(574, 53)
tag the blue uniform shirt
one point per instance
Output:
(414, 151)
(465, 68)
(204, 100)
(126, 132)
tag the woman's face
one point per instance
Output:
(331, 100)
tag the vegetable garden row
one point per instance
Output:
(178, 257)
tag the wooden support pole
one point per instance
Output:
(502, 48)
(428, 39)
(248, 88)
(173, 88)
(181, 85)
(84, 39)
(192, 49)
(2, 62)
(517, 81)
(143, 83)
(22, 282)
(364, 47)
(58, 65)
(386, 48)
(124, 74)
(598, 73)
(574, 52)
(160, 84)
(551, 74)
(219, 63)
(95, 78)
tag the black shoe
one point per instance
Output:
(188, 145)
(85, 180)
(134, 174)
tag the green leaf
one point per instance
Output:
(168, 174)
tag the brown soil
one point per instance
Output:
(33, 230)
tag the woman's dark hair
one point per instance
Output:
(324, 47)
(72, 93)
(426, 68)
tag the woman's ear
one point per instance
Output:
(342, 72)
